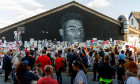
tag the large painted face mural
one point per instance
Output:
(72, 29)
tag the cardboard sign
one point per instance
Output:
(94, 39)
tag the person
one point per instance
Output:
(112, 56)
(58, 66)
(105, 71)
(116, 50)
(7, 65)
(132, 70)
(38, 70)
(44, 60)
(128, 60)
(36, 53)
(53, 56)
(138, 63)
(134, 80)
(97, 59)
(28, 59)
(133, 56)
(72, 29)
(120, 71)
(0, 61)
(127, 50)
(84, 59)
(68, 60)
(48, 76)
(81, 72)
(33, 56)
(49, 55)
(71, 70)
(22, 75)
(16, 60)
(91, 56)
(101, 53)
(122, 55)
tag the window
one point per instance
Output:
(21, 29)
(132, 22)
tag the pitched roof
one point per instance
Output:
(136, 15)
(73, 3)
(134, 30)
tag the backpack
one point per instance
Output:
(26, 61)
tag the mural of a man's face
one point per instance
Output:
(72, 31)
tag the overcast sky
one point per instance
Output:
(12, 11)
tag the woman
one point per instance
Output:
(81, 72)
(22, 75)
(84, 59)
(91, 59)
(116, 50)
(112, 56)
(97, 59)
(49, 55)
(16, 60)
(132, 70)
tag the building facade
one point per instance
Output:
(134, 20)
(83, 24)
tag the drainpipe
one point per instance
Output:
(125, 23)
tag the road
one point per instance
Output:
(65, 77)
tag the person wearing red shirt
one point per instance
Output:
(59, 66)
(48, 76)
(44, 60)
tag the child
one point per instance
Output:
(38, 70)
(120, 71)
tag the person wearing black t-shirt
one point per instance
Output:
(105, 71)
(120, 71)
(127, 51)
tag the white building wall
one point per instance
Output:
(135, 23)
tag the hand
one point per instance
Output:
(36, 71)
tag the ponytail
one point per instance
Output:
(80, 66)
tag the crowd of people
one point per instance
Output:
(37, 67)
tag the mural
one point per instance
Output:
(70, 24)
(72, 29)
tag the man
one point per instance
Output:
(134, 80)
(122, 55)
(101, 53)
(72, 29)
(48, 76)
(68, 60)
(105, 71)
(44, 60)
(71, 70)
(59, 61)
(36, 53)
(28, 59)
(7, 65)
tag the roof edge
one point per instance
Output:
(22, 22)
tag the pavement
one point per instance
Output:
(65, 79)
